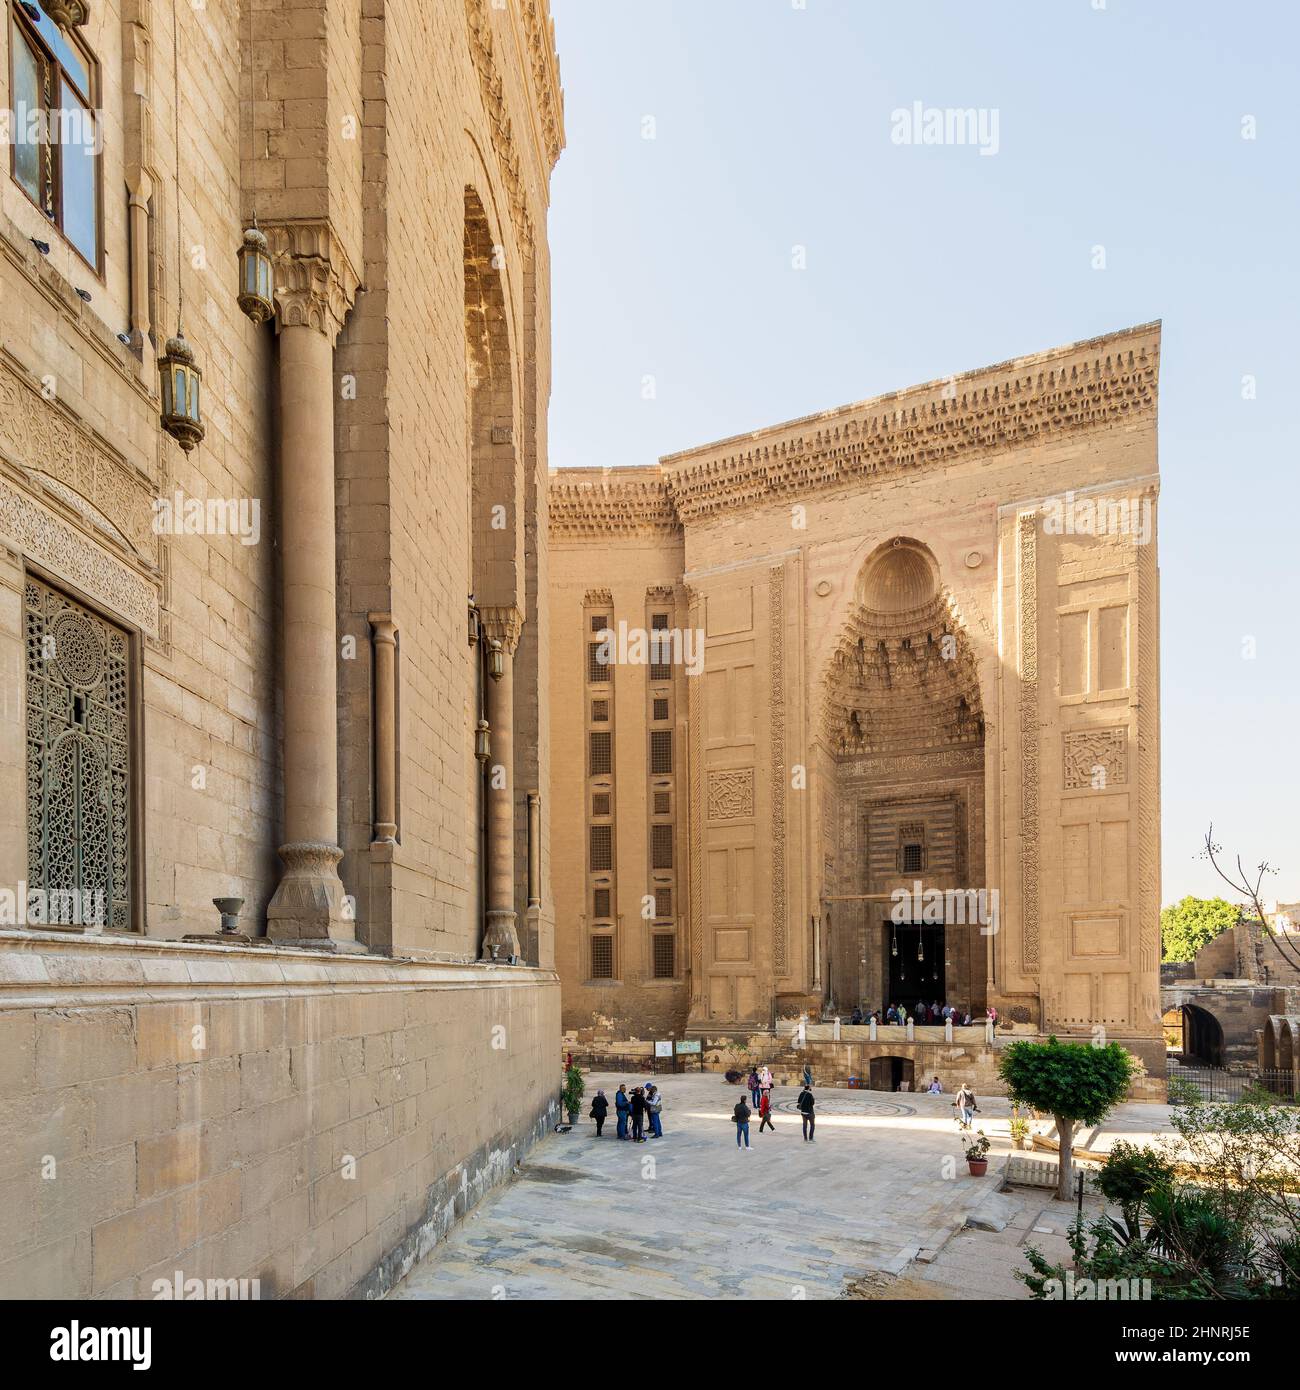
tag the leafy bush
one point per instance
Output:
(1221, 1207)
(1131, 1174)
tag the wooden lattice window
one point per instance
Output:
(600, 711)
(600, 902)
(663, 803)
(602, 957)
(911, 847)
(665, 956)
(661, 751)
(602, 848)
(78, 761)
(597, 663)
(661, 846)
(661, 709)
(600, 803)
(660, 648)
(663, 902)
(601, 760)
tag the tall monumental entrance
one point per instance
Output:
(864, 708)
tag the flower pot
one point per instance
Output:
(978, 1166)
(573, 1117)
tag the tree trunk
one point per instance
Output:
(1065, 1182)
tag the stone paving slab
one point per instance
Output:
(884, 1188)
(691, 1216)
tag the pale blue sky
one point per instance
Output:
(1118, 126)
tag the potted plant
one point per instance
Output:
(975, 1155)
(1021, 1136)
(574, 1086)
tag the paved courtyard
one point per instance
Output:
(691, 1216)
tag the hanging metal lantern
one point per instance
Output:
(496, 660)
(482, 741)
(68, 14)
(181, 416)
(256, 285)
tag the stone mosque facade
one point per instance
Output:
(913, 752)
(298, 665)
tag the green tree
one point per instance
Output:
(1195, 922)
(1073, 1082)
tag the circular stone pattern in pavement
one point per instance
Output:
(836, 1105)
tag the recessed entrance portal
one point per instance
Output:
(914, 964)
(903, 721)
(892, 1074)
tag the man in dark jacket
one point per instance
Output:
(638, 1115)
(806, 1103)
(741, 1116)
(622, 1106)
(599, 1109)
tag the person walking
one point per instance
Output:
(765, 1113)
(964, 1100)
(806, 1106)
(765, 1078)
(638, 1116)
(807, 1074)
(599, 1109)
(623, 1108)
(741, 1116)
(654, 1102)
(993, 1017)
(753, 1087)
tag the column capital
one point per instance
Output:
(502, 623)
(384, 625)
(315, 284)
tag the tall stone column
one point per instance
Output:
(501, 938)
(314, 289)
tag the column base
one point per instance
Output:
(307, 909)
(500, 940)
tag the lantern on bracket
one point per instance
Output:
(482, 741)
(256, 284)
(180, 381)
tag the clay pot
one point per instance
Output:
(978, 1166)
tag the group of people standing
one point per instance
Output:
(759, 1084)
(632, 1112)
(922, 1014)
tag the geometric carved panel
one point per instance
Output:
(731, 793)
(1096, 758)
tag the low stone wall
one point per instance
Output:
(847, 1061)
(313, 1122)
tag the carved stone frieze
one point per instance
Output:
(776, 719)
(1027, 564)
(70, 554)
(46, 441)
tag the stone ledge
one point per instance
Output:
(49, 969)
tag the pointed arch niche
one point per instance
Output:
(903, 722)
